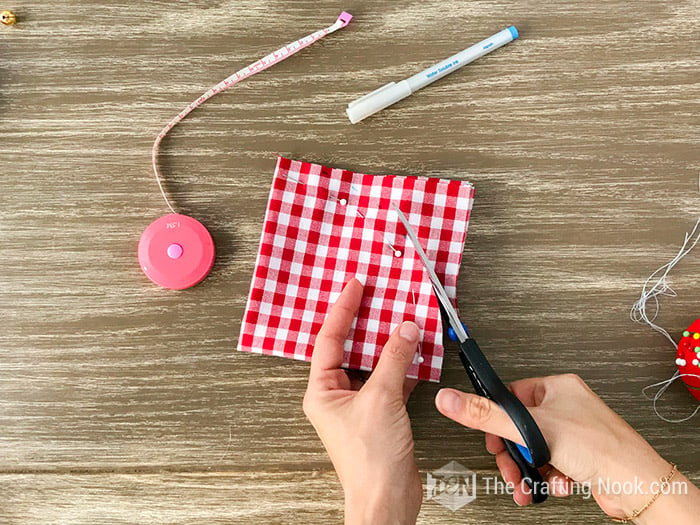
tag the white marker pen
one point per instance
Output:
(392, 92)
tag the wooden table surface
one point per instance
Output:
(121, 402)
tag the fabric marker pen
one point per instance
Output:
(392, 92)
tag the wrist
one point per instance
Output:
(644, 494)
(627, 473)
(638, 485)
(677, 503)
(383, 503)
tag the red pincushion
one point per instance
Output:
(688, 359)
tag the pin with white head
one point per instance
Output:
(418, 359)
(397, 252)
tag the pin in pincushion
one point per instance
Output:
(688, 358)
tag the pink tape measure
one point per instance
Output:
(688, 358)
(177, 251)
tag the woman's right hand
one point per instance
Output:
(589, 444)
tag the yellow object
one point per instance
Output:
(8, 18)
(696, 336)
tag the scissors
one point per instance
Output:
(535, 453)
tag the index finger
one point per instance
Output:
(530, 391)
(330, 341)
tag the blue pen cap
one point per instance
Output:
(513, 32)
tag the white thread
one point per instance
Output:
(663, 386)
(661, 287)
(639, 314)
(248, 71)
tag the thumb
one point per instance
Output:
(476, 412)
(396, 357)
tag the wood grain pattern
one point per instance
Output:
(124, 403)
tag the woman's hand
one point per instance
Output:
(589, 444)
(365, 426)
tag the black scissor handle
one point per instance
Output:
(487, 384)
(530, 475)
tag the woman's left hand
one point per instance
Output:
(364, 426)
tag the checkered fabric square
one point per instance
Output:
(324, 226)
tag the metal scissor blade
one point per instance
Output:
(452, 315)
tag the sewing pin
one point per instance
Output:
(8, 18)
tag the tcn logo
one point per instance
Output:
(452, 485)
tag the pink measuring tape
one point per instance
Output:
(176, 251)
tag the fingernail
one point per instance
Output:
(448, 401)
(409, 332)
(361, 278)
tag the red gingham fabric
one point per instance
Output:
(324, 226)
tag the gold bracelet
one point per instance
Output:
(664, 483)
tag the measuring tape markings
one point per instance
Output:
(256, 67)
